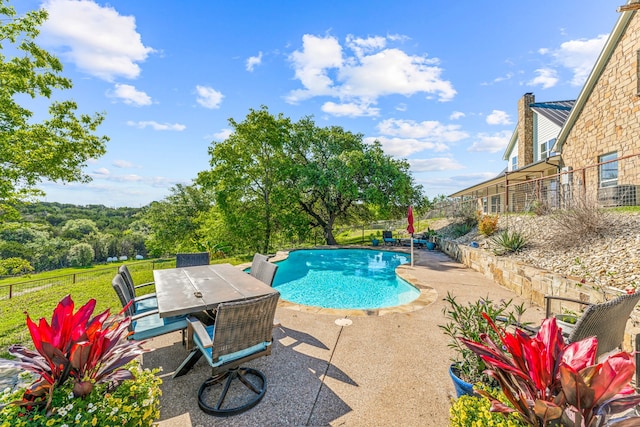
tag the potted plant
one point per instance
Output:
(475, 410)
(549, 382)
(85, 372)
(466, 321)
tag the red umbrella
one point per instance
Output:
(410, 220)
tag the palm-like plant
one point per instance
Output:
(547, 380)
(89, 350)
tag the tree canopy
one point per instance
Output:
(272, 175)
(33, 150)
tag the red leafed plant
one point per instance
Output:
(549, 382)
(76, 346)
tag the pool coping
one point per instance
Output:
(405, 271)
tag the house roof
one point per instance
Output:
(608, 49)
(556, 111)
(490, 186)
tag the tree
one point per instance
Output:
(81, 255)
(55, 149)
(175, 221)
(245, 176)
(78, 229)
(335, 176)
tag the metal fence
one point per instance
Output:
(10, 290)
(590, 184)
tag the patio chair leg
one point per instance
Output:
(240, 374)
(188, 362)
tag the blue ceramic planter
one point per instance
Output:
(462, 387)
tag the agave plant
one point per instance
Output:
(549, 381)
(78, 347)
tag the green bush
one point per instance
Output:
(508, 241)
(461, 229)
(474, 411)
(81, 255)
(133, 403)
(14, 266)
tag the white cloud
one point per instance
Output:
(546, 77)
(434, 164)
(252, 61)
(99, 40)
(223, 134)
(363, 71)
(349, 109)
(122, 164)
(456, 115)
(156, 126)
(498, 117)
(491, 143)
(130, 95)
(101, 172)
(403, 147)
(580, 56)
(208, 97)
(427, 129)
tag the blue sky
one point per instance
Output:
(437, 82)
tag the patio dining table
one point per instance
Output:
(190, 290)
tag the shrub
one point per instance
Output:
(488, 224)
(462, 228)
(136, 402)
(476, 411)
(508, 241)
(583, 217)
(14, 266)
(466, 321)
(81, 255)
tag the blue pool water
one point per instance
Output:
(344, 279)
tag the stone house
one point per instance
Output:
(590, 146)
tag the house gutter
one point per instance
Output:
(602, 61)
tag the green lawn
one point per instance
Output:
(41, 302)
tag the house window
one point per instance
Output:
(545, 149)
(514, 163)
(608, 169)
(495, 204)
(484, 205)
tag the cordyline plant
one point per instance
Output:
(549, 382)
(88, 350)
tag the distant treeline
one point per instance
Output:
(53, 235)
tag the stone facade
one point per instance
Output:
(610, 119)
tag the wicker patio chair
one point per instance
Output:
(255, 263)
(148, 323)
(143, 302)
(242, 332)
(192, 259)
(606, 321)
(266, 272)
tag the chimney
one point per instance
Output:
(525, 130)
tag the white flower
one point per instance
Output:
(6, 390)
(114, 410)
(70, 396)
(62, 412)
(91, 408)
(69, 407)
(78, 416)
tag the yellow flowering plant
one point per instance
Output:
(135, 402)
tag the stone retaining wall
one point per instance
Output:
(533, 283)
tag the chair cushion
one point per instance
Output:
(154, 325)
(226, 358)
(146, 305)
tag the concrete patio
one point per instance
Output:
(345, 368)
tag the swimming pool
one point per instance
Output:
(344, 279)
